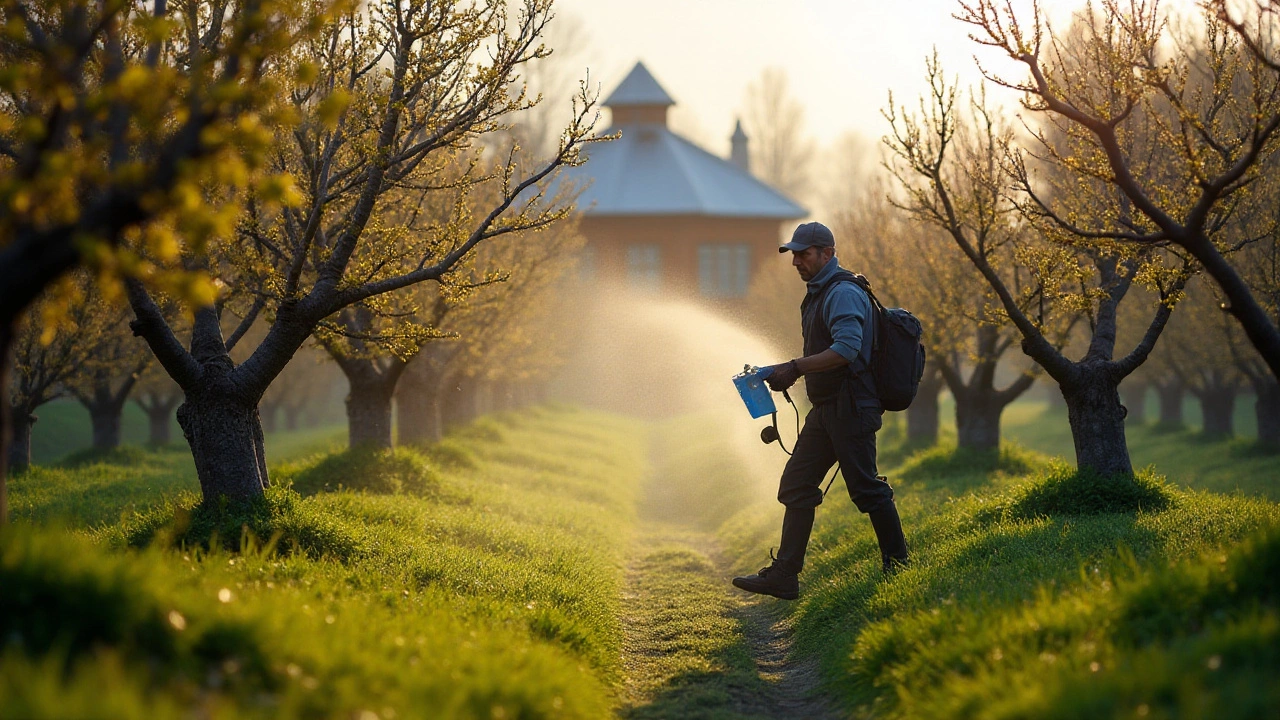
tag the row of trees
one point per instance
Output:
(288, 170)
(1140, 177)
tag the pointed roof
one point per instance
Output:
(639, 88)
(738, 133)
(653, 171)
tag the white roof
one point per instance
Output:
(652, 171)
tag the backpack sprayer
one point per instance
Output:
(759, 401)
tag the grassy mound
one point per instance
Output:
(1052, 595)
(344, 604)
(280, 521)
(370, 469)
(122, 455)
(1063, 491)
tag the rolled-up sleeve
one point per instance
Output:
(846, 312)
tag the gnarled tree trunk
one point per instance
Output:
(225, 435)
(1097, 419)
(923, 415)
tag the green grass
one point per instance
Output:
(87, 488)
(1184, 456)
(484, 591)
(1024, 574)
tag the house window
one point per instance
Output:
(724, 269)
(644, 267)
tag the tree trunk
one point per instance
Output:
(106, 420)
(1267, 410)
(1134, 395)
(1218, 407)
(19, 455)
(1097, 420)
(922, 416)
(369, 413)
(1171, 396)
(978, 419)
(225, 435)
(291, 414)
(158, 419)
(418, 407)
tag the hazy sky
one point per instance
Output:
(842, 56)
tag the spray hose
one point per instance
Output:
(770, 434)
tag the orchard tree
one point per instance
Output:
(158, 396)
(497, 336)
(390, 95)
(966, 336)
(122, 128)
(117, 361)
(1201, 358)
(53, 349)
(1035, 273)
(300, 391)
(1214, 94)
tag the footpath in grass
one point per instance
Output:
(481, 578)
(694, 646)
(1039, 592)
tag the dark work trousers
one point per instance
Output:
(841, 431)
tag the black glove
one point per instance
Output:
(782, 376)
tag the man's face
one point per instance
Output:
(810, 260)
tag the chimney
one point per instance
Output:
(739, 154)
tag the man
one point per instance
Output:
(836, 317)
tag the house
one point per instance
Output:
(663, 215)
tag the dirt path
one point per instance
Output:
(697, 648)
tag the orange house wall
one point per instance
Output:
(679, 238)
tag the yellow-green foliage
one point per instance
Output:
(496, 597)
(1046, 595)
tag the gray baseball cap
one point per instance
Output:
(810, 234)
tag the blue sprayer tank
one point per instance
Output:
(750, 385)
